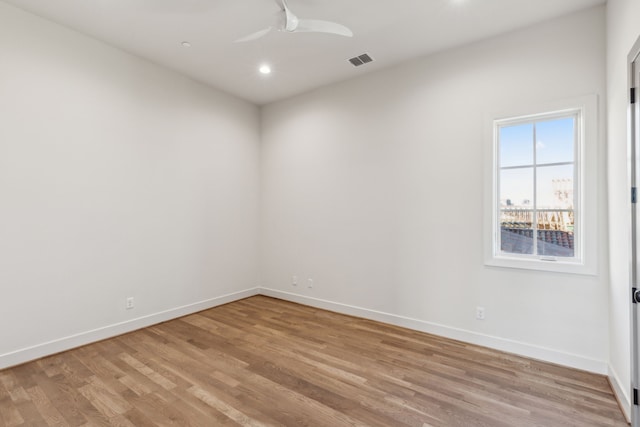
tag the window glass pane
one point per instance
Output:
(555, 187)
(516, 231)
(555, 141)
(516, 188)
(516, 214)
(516, 145)
(555, 228)
(555, 233)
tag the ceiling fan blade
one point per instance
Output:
(254, 36)
(291, 21)
(317, 26)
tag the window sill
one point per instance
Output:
(556, 266)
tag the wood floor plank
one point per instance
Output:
(106, 401)
(266, 362)
(65, 399)
(49, 412)
(9, 414)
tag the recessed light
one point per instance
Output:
(186, 44)
(265, 69)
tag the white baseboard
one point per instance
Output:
(575, 361)
(515, 347)
(621, 390)
(56, 346)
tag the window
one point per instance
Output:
(538, 208)
(536, 185)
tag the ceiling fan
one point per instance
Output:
(290, 23)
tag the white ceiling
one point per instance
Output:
(391, 31)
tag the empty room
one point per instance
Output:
(319, 212)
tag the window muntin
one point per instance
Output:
(537, 184)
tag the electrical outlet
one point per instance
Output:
(309, 283)
(294, 281)
(480, 313)
(130, 303)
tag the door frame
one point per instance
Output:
(633, 120)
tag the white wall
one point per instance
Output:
(623, 28)
(374, 188)
(117, 178)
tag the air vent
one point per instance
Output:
(360, 60)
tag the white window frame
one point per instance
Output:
(585, 187)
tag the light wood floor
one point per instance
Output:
(262, 361)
